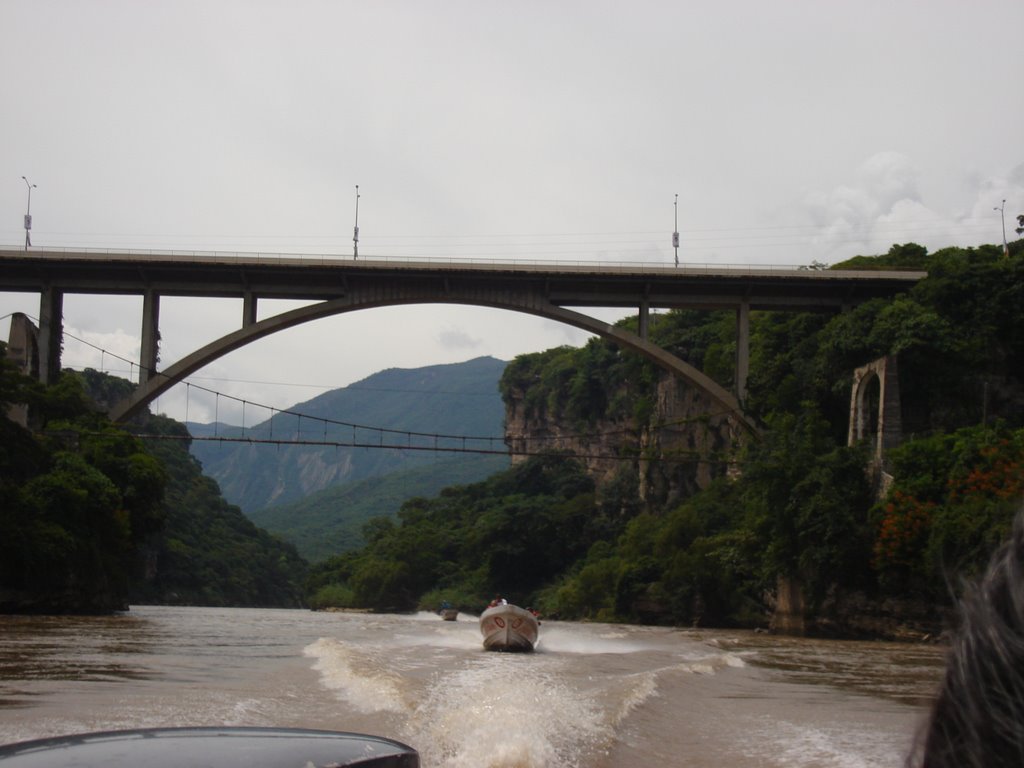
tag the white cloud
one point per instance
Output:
(116, 353)
(889, 178)
(883, 205)
(454, 338)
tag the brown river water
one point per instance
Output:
(614, 696)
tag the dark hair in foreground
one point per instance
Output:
(978, 718)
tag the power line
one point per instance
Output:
(557, 440)
(677, 457)
(464, 443)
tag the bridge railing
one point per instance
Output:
(322, 259)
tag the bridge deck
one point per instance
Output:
(326, 277)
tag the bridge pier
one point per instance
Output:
(150, 351)
(248, 309)
(742, 349)
(51, 333)
(644, 312)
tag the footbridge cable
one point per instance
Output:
(577, 444)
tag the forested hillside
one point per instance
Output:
(455, 399)
(792, 512)
(331, 521)
(94, 518)
(208, 552)
(79, 496)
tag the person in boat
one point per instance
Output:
(498, 600)
(978, 717)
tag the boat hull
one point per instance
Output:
(508, 628)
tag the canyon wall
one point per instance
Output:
(675, 448)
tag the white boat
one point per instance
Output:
(508, 628)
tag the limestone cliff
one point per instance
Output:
(676, 446)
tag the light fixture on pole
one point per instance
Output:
(355, 231)
(675, 235)
(1002, 216)
(28, 214)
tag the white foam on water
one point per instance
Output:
(633, 690)
(559, 640)
(430, 618)
(362, 679)
(709, 665)
(465, 636)
(506, 712)
(813, 746)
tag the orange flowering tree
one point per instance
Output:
(952, 502)
(902, 532)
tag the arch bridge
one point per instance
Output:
(338, 285)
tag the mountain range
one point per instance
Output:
(383, 434)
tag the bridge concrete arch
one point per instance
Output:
(159, 382)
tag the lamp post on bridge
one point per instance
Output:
(1002, 216)
(675, 235)
(28, 214)
(355, 230)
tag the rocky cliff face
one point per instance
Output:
(677, 450)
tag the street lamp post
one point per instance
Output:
(28, 214)
(675, 235)
(355, 230)
(1002, 216)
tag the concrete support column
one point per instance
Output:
(248, 309)
(742, 349)
(150, 335)
(51, 333)
(645, 319)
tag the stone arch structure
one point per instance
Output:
(161, 381)
(23, 351)
(23, 345)
(889, 427)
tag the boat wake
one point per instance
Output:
(461, 707)
(500, 713)
(360, 678)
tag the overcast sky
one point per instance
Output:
(791, 132)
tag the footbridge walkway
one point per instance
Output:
(552, 290)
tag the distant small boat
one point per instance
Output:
(449, 614)
(508, 628)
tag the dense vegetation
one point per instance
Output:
(94, 518)
(79, 497)
(510, 533)
(801, 508)
(208, 552)
(331, 521)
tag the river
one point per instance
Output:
(592, 695)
